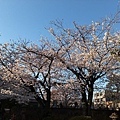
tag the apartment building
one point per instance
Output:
(99, 100)
(102, 100)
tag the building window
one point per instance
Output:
(101, 94)
(97, 94)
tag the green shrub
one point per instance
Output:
(81, 118)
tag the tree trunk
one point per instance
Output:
(40, 101)
(84, 103)
(44, 104)
(87, 103)
(90, 96)
(48, 98)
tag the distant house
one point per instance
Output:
(104, 100)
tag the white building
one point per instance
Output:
(99, 100)
(102, 101)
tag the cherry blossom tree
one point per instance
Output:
(10, 85)
(28, 67)
(86, 52)
(36, 65)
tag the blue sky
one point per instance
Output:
(27, 19)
